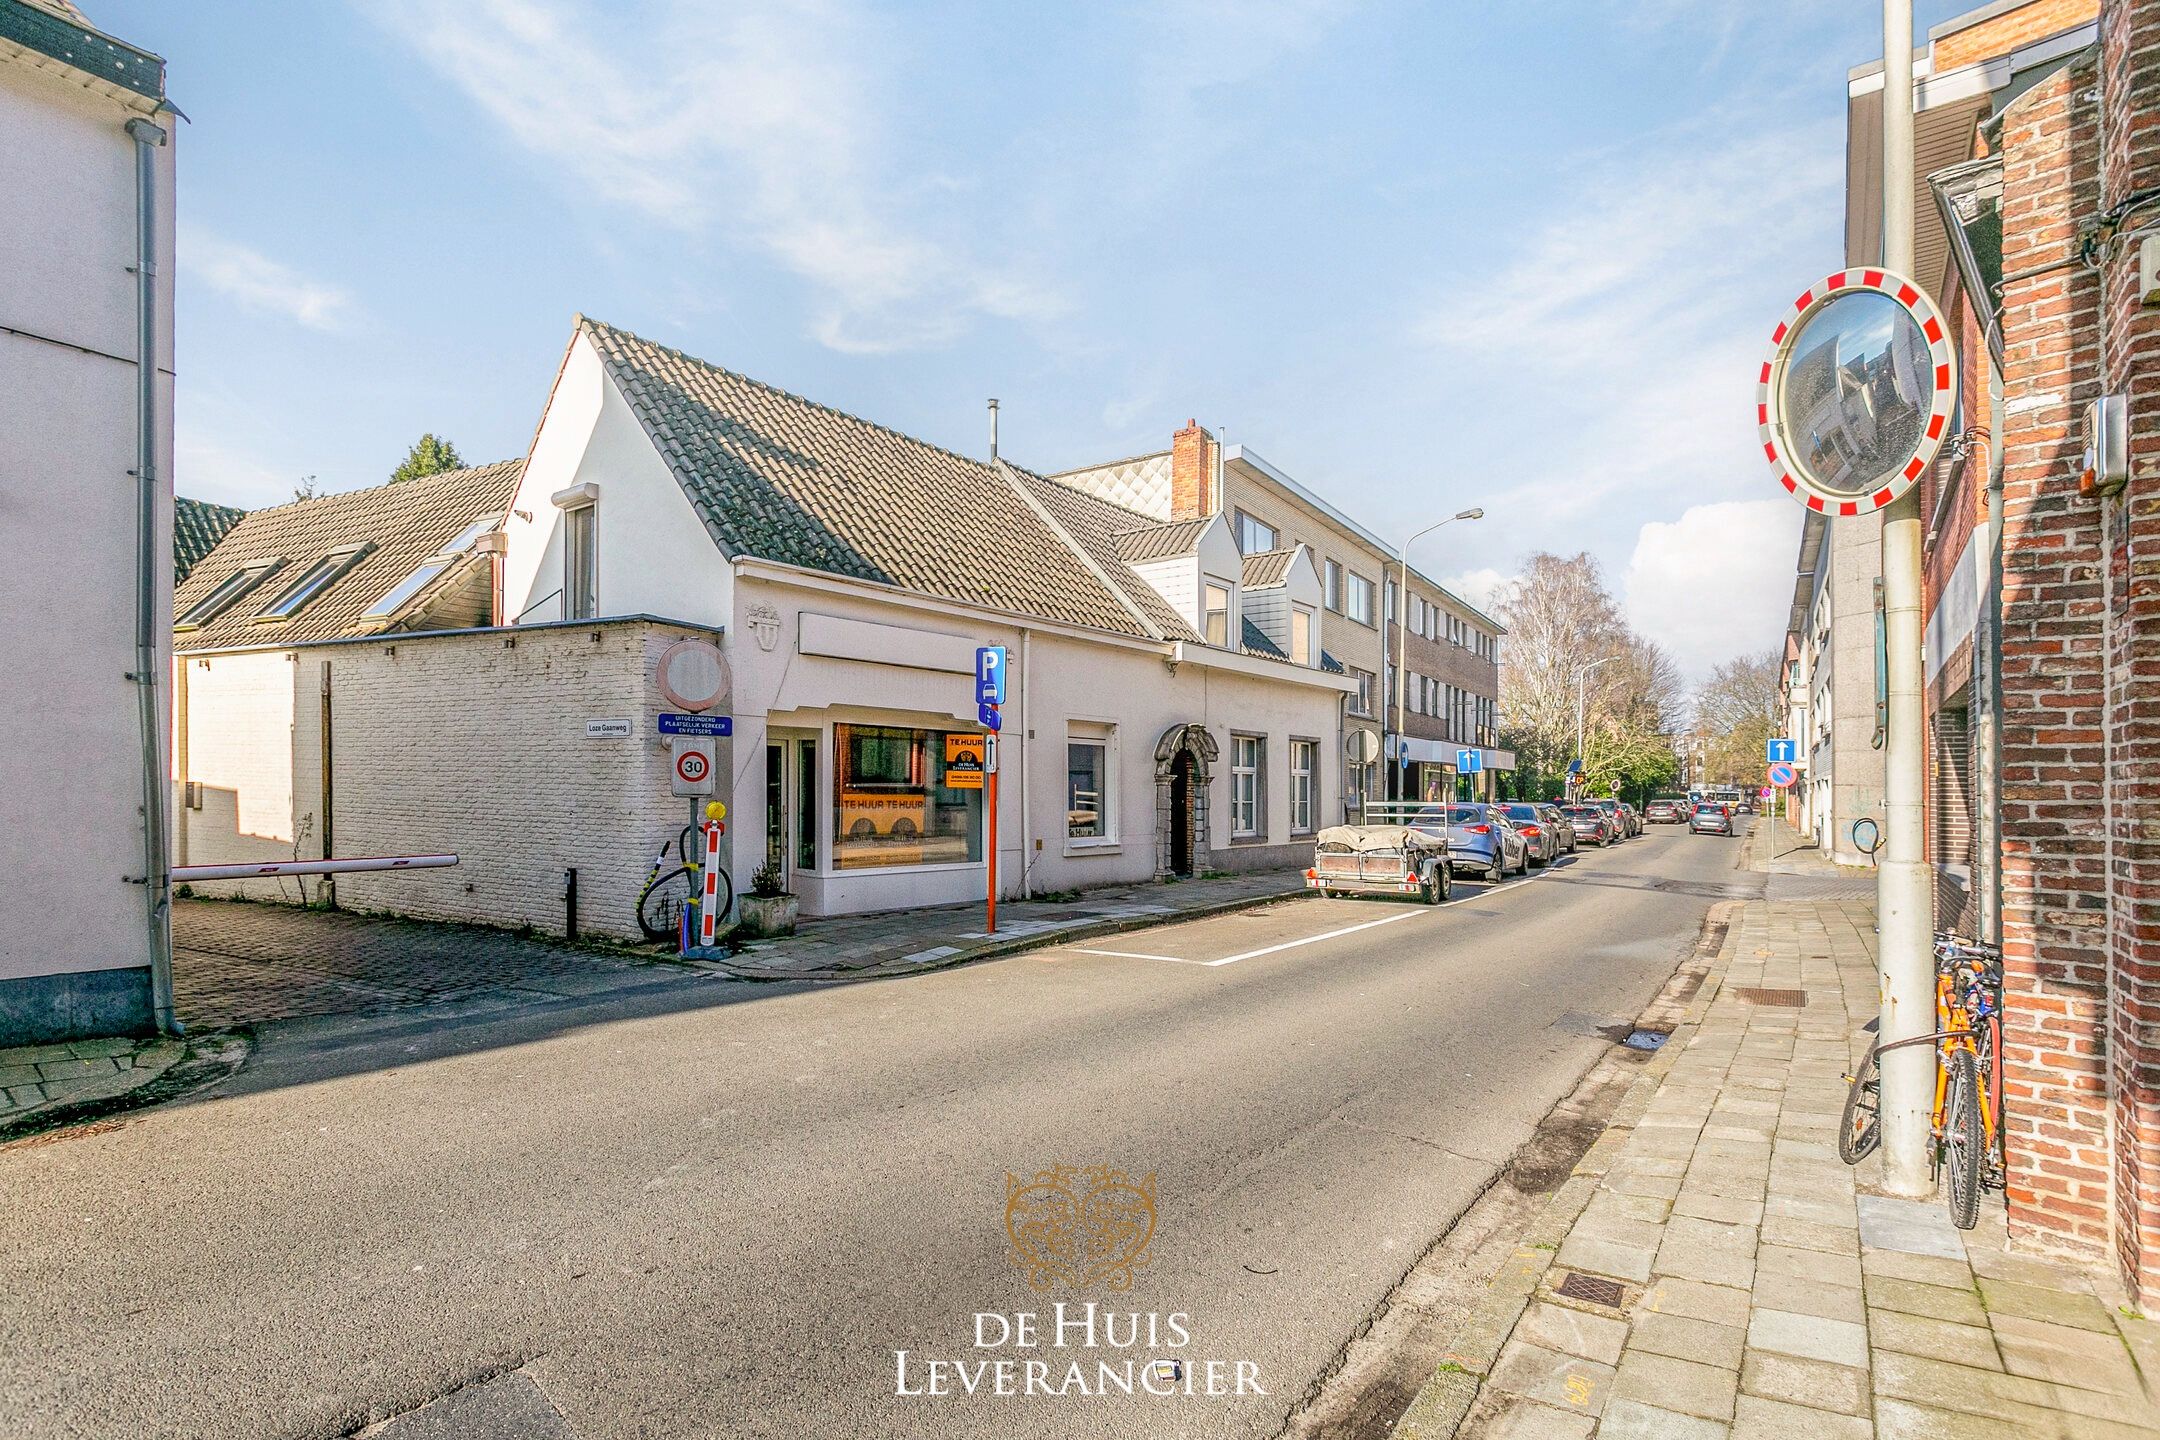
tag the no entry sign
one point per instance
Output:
(1858, 391)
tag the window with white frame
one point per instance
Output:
(1216, 614)
(1301, 635)
(1248, 756)
(1361, 702)
(1359, 607)
(1304, 773)
(1090, 784)
(1334, 594)
(580, 564)
(1253, 536)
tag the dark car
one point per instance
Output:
(1633, 817)
(1556, 816)
(1592, 826)
(1710, 820)
(1614, 814)
(1664, 812)
(1538, 832)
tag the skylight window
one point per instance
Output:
(401, 594)
(313, 581)
(228, 591)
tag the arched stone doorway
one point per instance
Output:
(1184, 763)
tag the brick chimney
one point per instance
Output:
(1192, 473)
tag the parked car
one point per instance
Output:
(1540, 835)
(1664, 812)
(1613, 813)
(1381, 860)
(1710, 820)
(1556, 816)
(1591, 825)
(1480, 837)
(1633, 817)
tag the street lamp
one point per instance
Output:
(1581, 680)
(1402, 637)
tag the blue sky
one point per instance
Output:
(1420, 256)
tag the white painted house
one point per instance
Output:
(86, 178)
(1169, 709)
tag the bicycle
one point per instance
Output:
(1965, 1119)
(664, 897)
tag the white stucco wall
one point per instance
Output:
(70, 746)
(238, 749)
(653, 554)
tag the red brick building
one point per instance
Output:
(2079, 151)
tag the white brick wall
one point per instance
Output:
(472, 743)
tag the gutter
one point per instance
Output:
(156, 876)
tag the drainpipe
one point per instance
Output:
(157, 879)
(1027, 747)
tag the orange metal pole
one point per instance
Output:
(991, 780)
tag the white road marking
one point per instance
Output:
(1316, 939)
(1136, 955)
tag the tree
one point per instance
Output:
(1559, 620)
(429, 455)
(306, 489)
(1740, 708)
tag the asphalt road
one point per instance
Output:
(711, 1208)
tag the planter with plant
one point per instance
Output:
(767, 908)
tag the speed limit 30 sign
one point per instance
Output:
(693, 768)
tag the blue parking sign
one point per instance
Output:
(990, 675)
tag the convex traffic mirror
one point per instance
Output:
(1857, 394)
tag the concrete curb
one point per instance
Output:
(1000, 948)
(1445, 1401)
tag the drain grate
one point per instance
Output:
(1783, 999)
(1579, 1286)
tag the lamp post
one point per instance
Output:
(1402, 639)
(1582, 679)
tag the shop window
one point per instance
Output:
(892, 805)
(1304, 769)
(1089, 787)
(1247, 755)
(1217, 613)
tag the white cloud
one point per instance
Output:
(261, 284)
(763, 120)
(1477, 586)
(1715, 583)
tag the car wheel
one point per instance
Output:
(1497, 872)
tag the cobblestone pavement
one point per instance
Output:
(241, 964)
(34, 1078)
(1745, 1282)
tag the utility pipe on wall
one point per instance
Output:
(149, 560)
(1905, 890)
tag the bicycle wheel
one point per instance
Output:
(660, 908)
(1862, 1127)
(1963, 1157)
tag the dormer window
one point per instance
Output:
(401, 594)
(1216, 614)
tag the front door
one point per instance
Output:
(1184, 775)
(791, 806)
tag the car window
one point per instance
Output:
(1464, 815)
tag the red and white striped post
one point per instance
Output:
(708, 919)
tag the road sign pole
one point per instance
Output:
(990, 798)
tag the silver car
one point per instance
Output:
(1480, 837)
(1540, 836)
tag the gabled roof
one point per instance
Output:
(197, 526)
(1152, 541)
(1268, 569)
(1098, 525)
(405, 521)
(782, 478)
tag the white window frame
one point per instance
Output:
(1102, 735)
(1304, 783)
(1332, 594)
(1302, 621)
(1359, 588)
(229, 592)
(1208, 589)
(1243, 527)
(1248, 786)
(581, 591)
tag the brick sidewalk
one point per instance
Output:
(1744, 1282)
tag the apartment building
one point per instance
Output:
(1450, 649)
